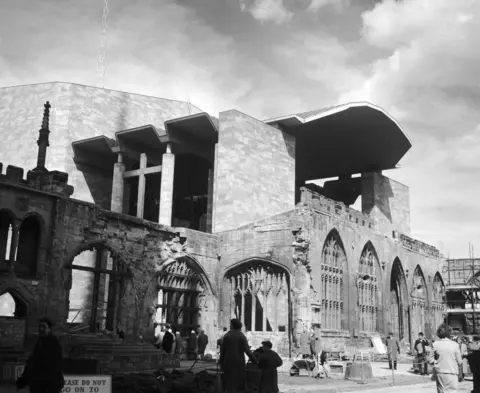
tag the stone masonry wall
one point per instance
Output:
(387, 202)
(12, 332)
(254, 171)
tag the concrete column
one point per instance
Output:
(166, 190)
(141, 186)
(118, 186)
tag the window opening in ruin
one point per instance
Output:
(28, 247)
(398, 303)
(99, 282)
(332, 268)
(6, 232)
(258, 295)
(12, 306)
(419, 302)
(180, 291)
(438, 301)
(191, 192)
(368, 294)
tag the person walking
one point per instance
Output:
(420, 348)
(192, 346)
(202, 342)
(393, 350)
(473, 358)
(447, 361)
(268, 362)
(44, 369)
(168, 340)
(233, 348)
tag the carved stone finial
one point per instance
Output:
(46, 115)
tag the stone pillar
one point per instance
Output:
(141, 186)
(118, 186)
(166, 190)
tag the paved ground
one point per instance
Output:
(383, 382)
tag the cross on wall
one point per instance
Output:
(141, 173)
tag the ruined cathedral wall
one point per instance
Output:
(78, 112)
(31, 288)
(139, 244)
(355, 238)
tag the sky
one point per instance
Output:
(417, 59)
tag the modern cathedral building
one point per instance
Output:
(127, 210)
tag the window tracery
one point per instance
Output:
(180, 292)
(332, 269)
(419, 302)
(438, 300)
(259, 297)
(368, 290)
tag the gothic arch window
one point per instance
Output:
(13, 317)
(258, 295)
(368, 290)
(28, 247)
(6, 234)
(399, 318)
(181, 297)
(419, 302)
(100, 286)
(438, 300)
(332, 267)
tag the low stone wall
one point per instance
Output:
(12, 332)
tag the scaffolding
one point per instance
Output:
(463, 293)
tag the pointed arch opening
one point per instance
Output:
(399, 314)
(438, 301)
(369, 293)
(334, 294)
(100, 291)
(419, 309)
(29, 240)
(13, 320)
(185, 297)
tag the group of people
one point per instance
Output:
(171, 342)
(233, 346)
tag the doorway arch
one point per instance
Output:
(399, 311)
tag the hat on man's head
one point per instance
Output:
(267, 344)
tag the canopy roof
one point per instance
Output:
(343, 140)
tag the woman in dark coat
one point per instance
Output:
(168, 339)
(268, 362)
(43, 372)
(202, 341)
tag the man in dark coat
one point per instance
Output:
(192, 346)
(202, 342)
(232, 358)
(268, 362)
(473, 359)
(43, 372)
(168, 339)
(393, 350)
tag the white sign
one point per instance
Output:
(87, 384)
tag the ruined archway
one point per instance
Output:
(419, 303)
(185, 297)
(13, 320)
(334, 275)
(438, 301)
(257, 292)
(100, 291)
(29, 240)
(399, 313)
(369, 292)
